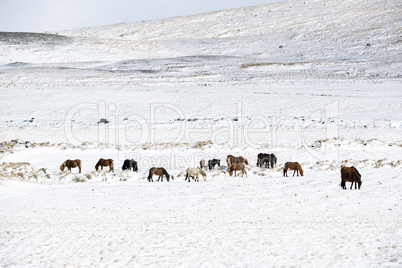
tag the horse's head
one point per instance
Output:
(168, 177)
(246, 161)
(301, 172)
(96, 167)
(63, 166)
(358, 177)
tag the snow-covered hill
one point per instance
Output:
(289, 40)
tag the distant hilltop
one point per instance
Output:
(20, 38)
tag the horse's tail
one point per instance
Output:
(343, 184)
(150, 174)
(285, 169)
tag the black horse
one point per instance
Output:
(130, 164)
(268, 159)
(213, 162)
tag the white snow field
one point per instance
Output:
(313, 81)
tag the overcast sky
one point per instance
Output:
(53, 15)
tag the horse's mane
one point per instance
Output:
(357, 171)
(165, 172)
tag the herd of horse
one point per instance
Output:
(234, 164)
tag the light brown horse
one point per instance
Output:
(195, 172)
(352, 175)
(159, 172)
(230, 159)
(238, 166)
(71, 164)
(292, 166)
(104, 163)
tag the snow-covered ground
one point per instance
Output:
(318, 82)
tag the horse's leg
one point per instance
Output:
(294, 173)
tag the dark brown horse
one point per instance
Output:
(352, 175)
(235, 159)
(238, 166)
(292, 166)
(104, 163)
(159, 172)
(71, 164)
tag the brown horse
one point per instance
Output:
(238, 166)
(292, 166)
(159, 172)
(235, 159)
(71, 164)
(352, 175)
(104, 163)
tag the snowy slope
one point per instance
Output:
(281, 41)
